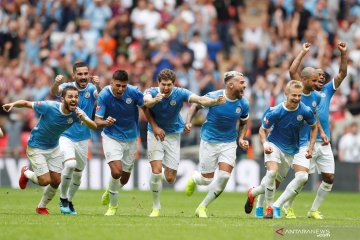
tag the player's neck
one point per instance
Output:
(306, 91)
(230, 95)
(64, 110)
(290, 106)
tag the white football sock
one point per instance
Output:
(156, 187)
(293, 188)
(31, 176)
(217, 188)
(270, 187)
(47, 196)
(114, 186)
(200, 179)
(74, 185)
(66, 175)
(321, 194)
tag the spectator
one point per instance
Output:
(349, 145)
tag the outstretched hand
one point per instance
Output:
(7, 107)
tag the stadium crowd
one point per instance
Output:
(198, 39)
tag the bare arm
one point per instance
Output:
(149, 101)
(158, 132)
(244, 144)
(101, 123)
(206, 101)
(55, 88)
(18, 104)
(343, 65)
(321, 131)
(263, 138)
(85, 119)
(294, 75)
(313, 134)
(191, 114)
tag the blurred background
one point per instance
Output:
(198, 39)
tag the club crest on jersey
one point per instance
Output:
(70, 121)
(87, 95)
(299, 117)
(98, 107)
(238, 110)
(313, 104)
(172, 102)
(38, 103)
(323, 94)
(128, 101)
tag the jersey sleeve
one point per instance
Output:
(309, 117)
(148, 92)
(186, 94)
(245, 113)
(41, 107)
(101, 107)
(139, 97)
(268, 119)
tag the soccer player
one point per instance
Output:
(117, 112)
(218, 139)
(164, 103)
(43, 148)
(323, 158)
(301, 164)
(74, 141)
(279, 133)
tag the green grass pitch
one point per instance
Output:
(227, 219)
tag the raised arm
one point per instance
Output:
(55, 88)
(343, 65)
(294, 74)
(206, 101)
(18, 104)
(96, 81)
(101, 123)
(191, 114)
(85, 119)
(149, 101)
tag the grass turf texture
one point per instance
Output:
(227, 219)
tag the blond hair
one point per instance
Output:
(293, 84)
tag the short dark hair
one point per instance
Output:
(79, 64)
(120, 75)
(167, 74)
(68, 88)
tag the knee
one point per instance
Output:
(55, 183)
(170, 179)
(124, 179)
(44, 180)
(116, 174)
(328, 178)
(70, 164)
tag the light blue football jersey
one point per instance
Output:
(324, 108)
(312, 100)
(124, 110)
(166, 113)
(286, 126)
(52, 123)
(221, 120)
(79, 132)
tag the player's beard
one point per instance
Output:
(82, 83)
(69, 107)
